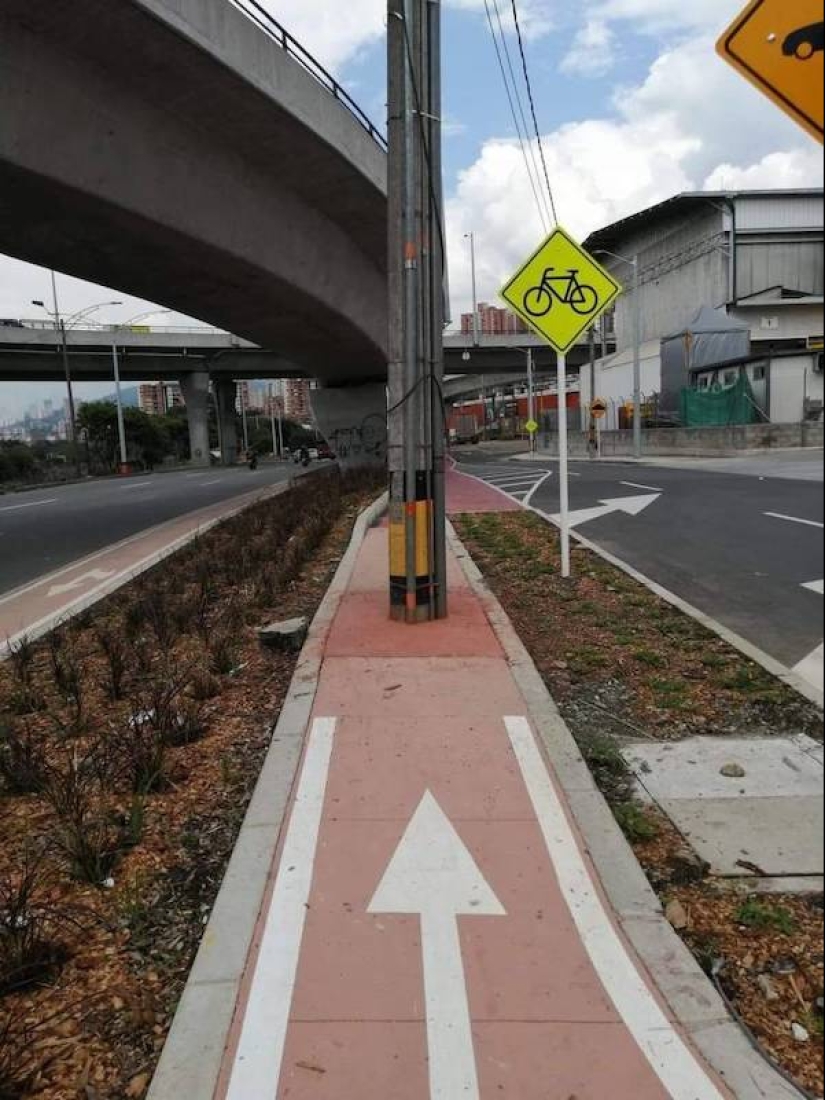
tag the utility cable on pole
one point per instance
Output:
(533, 112)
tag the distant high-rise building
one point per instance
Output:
(157, 398)
(296, 400)
(493, 321)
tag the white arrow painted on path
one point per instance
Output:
(631, 505)
(81, 581)
(432, 874)
(816, 586)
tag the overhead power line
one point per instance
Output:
(533, 111)
(523, 135)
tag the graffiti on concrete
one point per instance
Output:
(365, 441)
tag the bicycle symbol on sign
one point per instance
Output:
(582, 298)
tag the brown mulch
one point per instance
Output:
(89, 1020)
(624, 665)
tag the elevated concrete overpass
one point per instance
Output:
(176, 150)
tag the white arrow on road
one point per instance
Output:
(433, 874)
(81, 581)
(631, 505)
(816, 586)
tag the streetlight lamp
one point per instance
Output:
(61, 324)
(637, 346)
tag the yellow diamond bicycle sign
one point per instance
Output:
(560, 291)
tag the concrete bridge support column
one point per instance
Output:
(226, 392)
(195, 389)
(353, 420)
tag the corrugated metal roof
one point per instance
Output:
(603, 238)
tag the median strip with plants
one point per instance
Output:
(130, 741)
(625, 666)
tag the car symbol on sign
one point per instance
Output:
(805, 42)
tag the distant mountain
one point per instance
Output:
(128, 395)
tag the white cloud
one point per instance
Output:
(593, 50)
(333, 33)
(796, 168)
(691, 123)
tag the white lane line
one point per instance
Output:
(214, 481)
(138, 485)
(636, 485)
(676, 1067)
(812, 668)
(816, 586)
(795, 519)
(31, 504)
(256, 1069)
(536, 487)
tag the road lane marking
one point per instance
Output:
(536, 487)
(215, 481)
(138, 485)
(674, 1064)
(256, 1069)
(78, 582)
(632, 506)
(816, 586)
(31, 504)
(432, 875)
(636, 485)
(795, 519)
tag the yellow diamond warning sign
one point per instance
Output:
(560, 291)
(778, 46)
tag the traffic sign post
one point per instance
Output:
(779, 47)
(560, 291)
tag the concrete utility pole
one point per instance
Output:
(121, 428)
(531, 399)
(418, 589)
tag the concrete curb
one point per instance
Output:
(101, 591)
(191, 1060)
(689, 994)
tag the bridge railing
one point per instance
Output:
(267, 23)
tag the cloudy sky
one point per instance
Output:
(632, 102)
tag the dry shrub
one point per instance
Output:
(22, 757)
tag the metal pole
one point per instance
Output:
(121, 427)
(564, 491)
(475, 296)
(637, 359)
(243, 417)
(275, 449)
(437, 310)
(71, 432)
(531, 401)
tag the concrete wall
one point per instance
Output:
(791, 382)
(353, 420)
(699, 441)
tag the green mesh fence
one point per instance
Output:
(731, 405)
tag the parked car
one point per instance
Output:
(325, 451)
(10, 322)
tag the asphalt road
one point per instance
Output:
(704, 535)
(42, 531)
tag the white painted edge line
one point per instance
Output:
(256, 1069)
(528, 499)
(31, 504)
(136, 485)
(812, 668)
(636, 485)
(674, 1064)
(759, 656)
(36, 630)
(795, 519)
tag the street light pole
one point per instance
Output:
(71, 432)
(121, 428)
(637, 357)
(531, 400)
(634, 262)
(472, 239)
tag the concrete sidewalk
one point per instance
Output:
(450, 911)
